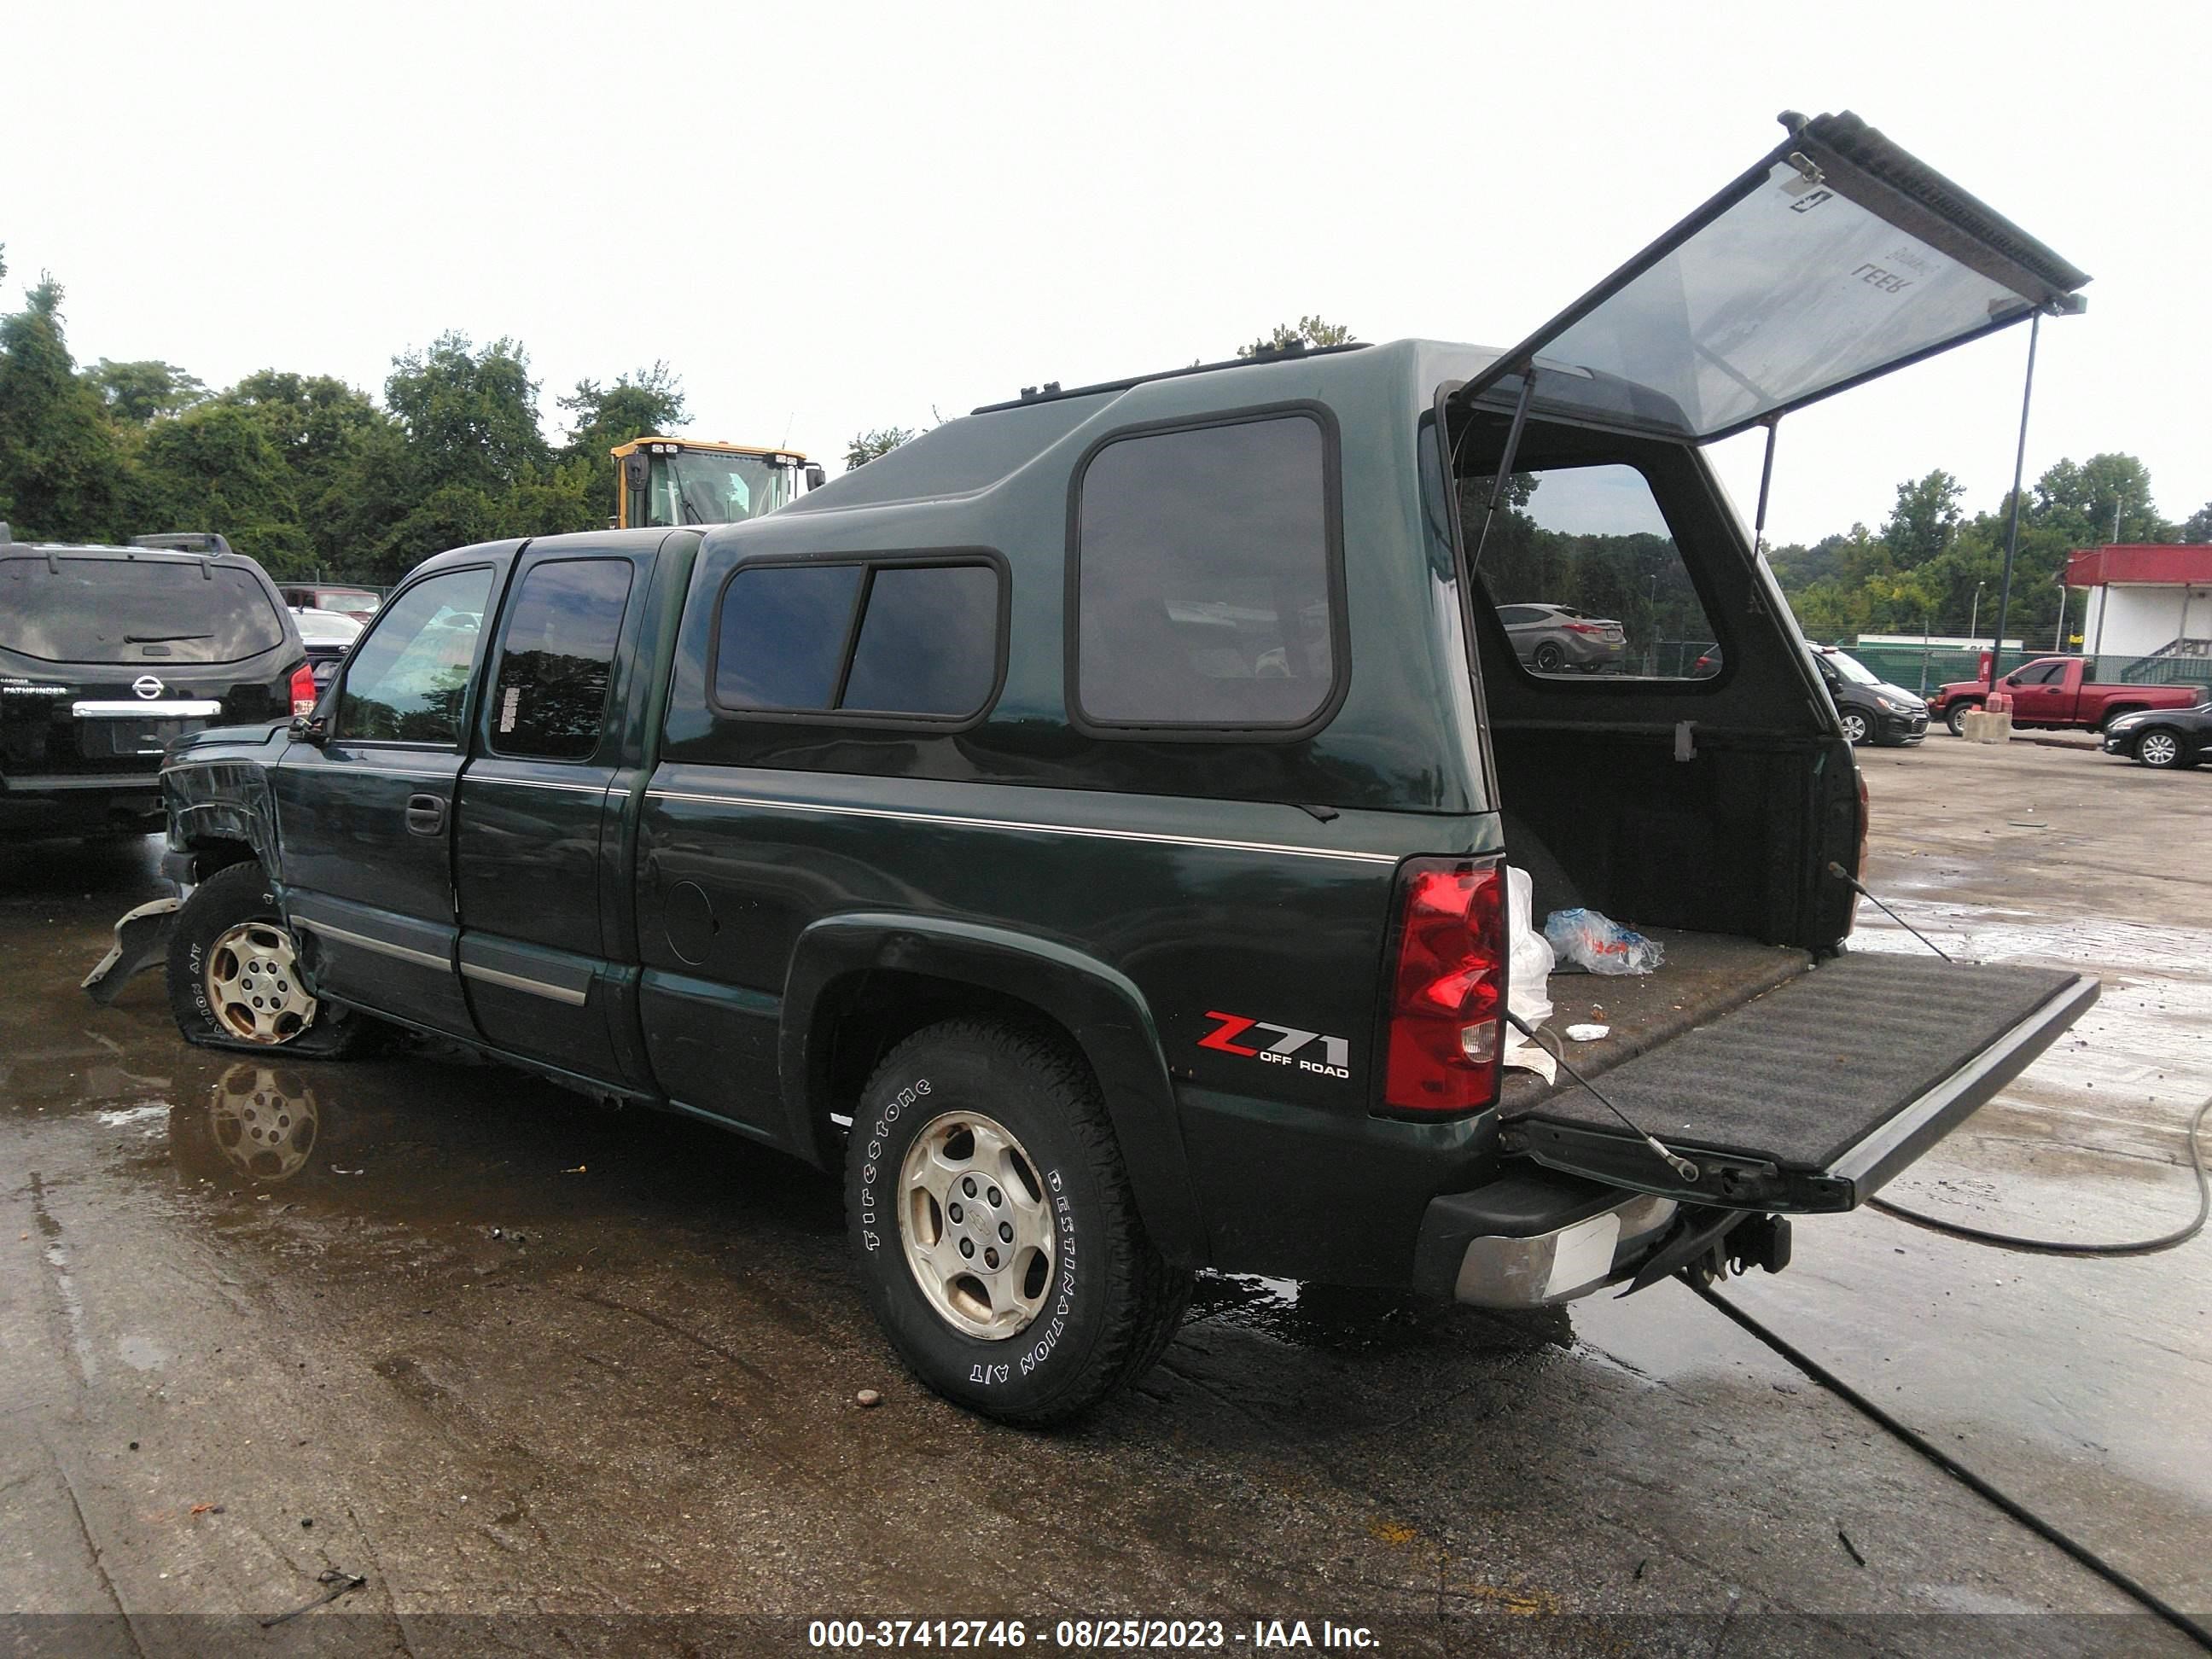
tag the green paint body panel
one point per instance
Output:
(711, 912)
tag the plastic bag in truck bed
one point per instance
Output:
(1599, 944)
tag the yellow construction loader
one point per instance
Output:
(680, 481)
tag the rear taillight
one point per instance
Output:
(1448, 987)
(303, 689)
(1582, 627)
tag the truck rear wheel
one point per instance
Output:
(993, 1226)
(233, 975)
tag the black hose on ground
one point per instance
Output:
(1959, 1472)
(2179, 1236)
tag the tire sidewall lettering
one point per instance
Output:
(872, 1240)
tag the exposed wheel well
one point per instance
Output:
(209, 856)
(2120, 708)
(861, 1016)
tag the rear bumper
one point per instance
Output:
(68, 804)
(1535, 1239)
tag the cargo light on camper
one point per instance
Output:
(1448, 987)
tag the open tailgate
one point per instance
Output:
(1837, 257)
(1810, 1097)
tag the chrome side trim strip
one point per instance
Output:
(198, 709)
(348, 769)
(537, 987)
(537, 783)
(1091, 831)
(381, 947)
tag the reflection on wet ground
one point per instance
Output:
(508, 1350)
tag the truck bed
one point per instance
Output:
(1703, 977)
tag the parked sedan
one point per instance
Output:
(358, 602)
(328, 635)
(1551, 638)
(2165, 739)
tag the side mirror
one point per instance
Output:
(311, 729)
(815, 477)
(634, 472)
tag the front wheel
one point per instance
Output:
(2159, 748)
(993, 1226)
(1955, 717)
(1550, 658)
(233, 974)
(1857, 728)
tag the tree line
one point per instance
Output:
(311, 476)
(304, 472)
(1934, 569)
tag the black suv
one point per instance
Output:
(1087, 828)
(107, 654)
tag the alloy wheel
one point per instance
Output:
(976, 1225)
(253, 984)
(2158, 749)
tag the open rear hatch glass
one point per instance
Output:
(1837, 257)
(1810, 1096)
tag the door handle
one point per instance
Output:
(425, 815)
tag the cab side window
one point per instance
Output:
(880, 640)
(549, 700)
(407, 679)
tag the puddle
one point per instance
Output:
(141, 1353)
(147, 1113)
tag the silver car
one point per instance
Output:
(1553, 638)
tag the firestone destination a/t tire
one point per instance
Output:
(233, 976)
(993, 1229)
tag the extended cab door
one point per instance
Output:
(365, 820)
(535, 817)
(2045, 693)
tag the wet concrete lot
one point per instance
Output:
(508, 1355)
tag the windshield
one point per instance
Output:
(153, 610)
(1850, 668)
(705, 487)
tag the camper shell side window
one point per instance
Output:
(1205, 592)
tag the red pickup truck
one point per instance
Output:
(2056, 691)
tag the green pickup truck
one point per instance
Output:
(1086, 827)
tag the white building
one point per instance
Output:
(2145, 597)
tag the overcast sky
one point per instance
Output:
(851, 217)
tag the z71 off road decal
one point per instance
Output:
(1336, 1053)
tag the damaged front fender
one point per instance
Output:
(141, 938)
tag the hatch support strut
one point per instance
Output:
(1766, 481)
(1504, 475)
(2012, 525)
